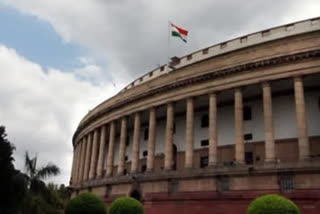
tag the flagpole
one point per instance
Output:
(168, 51)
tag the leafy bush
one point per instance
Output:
(272, 204)
(126, 205)
(86, 203)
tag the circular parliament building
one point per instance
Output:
(213, 129)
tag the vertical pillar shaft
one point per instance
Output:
(135, 145)
(83, 158)
(238, 120)
(78, 179)
(169, 137)
(213, 159)
(93, 162)
(151, 139)
(268, 123)
(111, 149)
(101, 151)
(122, 147)
(76, 164)
(73, 169)
(302, 129)
(189, 133)
(88, 157)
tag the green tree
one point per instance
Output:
(39, 199)
(13, 184)
(125, 205)
(272, 204)
(86, 203)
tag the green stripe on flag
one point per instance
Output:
(175, 33)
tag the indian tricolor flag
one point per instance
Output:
(179, 32)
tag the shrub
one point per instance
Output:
(86, 203)
(126, 205)
(272, 204)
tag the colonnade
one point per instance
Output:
(91, 158)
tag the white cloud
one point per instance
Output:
(132, 35)
(41, 109)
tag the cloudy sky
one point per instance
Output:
(58, 59)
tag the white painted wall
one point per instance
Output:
(283, 118)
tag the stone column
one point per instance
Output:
(101, 151)
(213, 159)
(73, 169)
(78, 179)
(83, 158)
(268, 123)
(189, 134)
(169, 137)
(151, 139)
(93, 162)
(88, 157)
(111, 149)
(302, 129)
(135, 145)
(76, 163)
(122, 147)
(238, 124)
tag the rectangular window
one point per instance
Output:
(108, 190)
(204, 142)
(286, 182)
(189, 57)
(223, 183)
(204, 121)
(128, 141)
(204, 161)
(248, 136)
(247, 113)
(145, 153)
(248, 158)
(146, 134)
(143, 168)
(173, 186)
(126, 158)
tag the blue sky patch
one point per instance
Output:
(36, 40)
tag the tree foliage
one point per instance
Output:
(269, 204)
(27, 192)
(86, 203)
(125, 205)
(12, 182)
(40, 199)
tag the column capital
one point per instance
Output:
(266, 84)
(214, 93)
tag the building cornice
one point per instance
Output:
(208, 76)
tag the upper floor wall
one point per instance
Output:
(286, 55)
